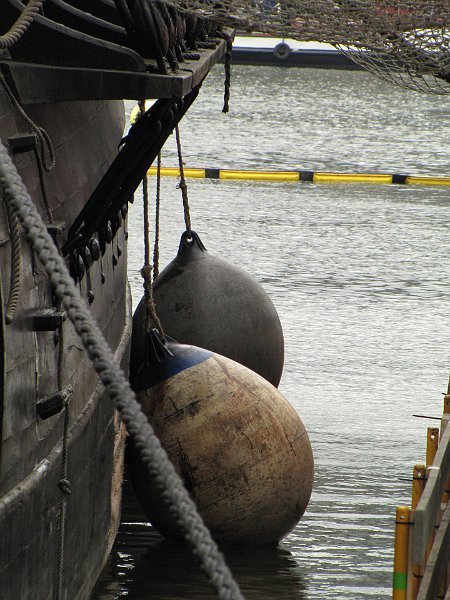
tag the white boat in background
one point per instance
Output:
(266, 50)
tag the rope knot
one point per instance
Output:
(65, 487)
(146, 272)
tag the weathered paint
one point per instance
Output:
(240, 447)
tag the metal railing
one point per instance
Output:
(422, 532)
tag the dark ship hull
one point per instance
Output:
(32, 448)
(61, 452)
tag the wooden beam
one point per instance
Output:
(41, 84)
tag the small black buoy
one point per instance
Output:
(208, 302)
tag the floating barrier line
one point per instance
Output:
(311, 176)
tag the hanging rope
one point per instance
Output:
(16, 264)
(146, 271)
(64, 486)
(63, 483)
(226, 95)
(25, 19)
(157, 218)
(146, 221)
(40, 167)
(42, 135)
(182, 185)
(117, 387)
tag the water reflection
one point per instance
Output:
(170, 573)
(144, 565)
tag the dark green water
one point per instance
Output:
(359, 275)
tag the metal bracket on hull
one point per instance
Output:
(48, 319)
(22, 142)
(52, 405)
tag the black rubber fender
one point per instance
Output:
(282, 51)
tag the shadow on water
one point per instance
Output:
(145, 565)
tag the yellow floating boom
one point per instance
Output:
(294, 176)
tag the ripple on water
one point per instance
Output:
(359, 276)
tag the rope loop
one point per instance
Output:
(150, 308)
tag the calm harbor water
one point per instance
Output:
(359, 275)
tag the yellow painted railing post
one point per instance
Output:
(447, 399)
(432, 444)
(445, 587)
(418, 485)
(402, 526)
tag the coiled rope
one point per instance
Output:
(27, 16)
(151, 452)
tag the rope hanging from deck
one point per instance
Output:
(151, 316)
(65, 487)
(406, 42)
(157, 218)
(117, 387)
(182, 183)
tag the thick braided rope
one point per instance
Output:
(16, 264)
(151, 452)
(12, 36)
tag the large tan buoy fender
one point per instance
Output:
(239, 446)
(205, 301)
